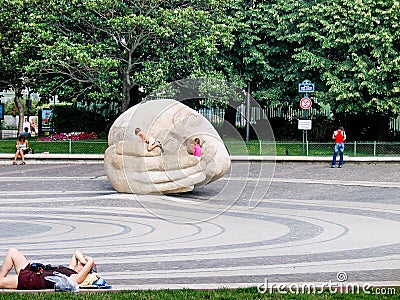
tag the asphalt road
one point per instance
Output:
(259, 225)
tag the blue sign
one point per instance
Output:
(1, 111)
(47, 119)
(306, 88)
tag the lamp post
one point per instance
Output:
(29, 104)
(248, 112)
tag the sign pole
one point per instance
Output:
(248, 112)
(305, 103)
(305, 114)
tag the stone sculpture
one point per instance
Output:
(131, 168)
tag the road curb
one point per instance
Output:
(317, 159)
(51, 158)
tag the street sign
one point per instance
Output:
(306, 87)
(304, 124)
(305, 103)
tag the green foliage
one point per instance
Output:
(11, 109)
(118, 51)
(254, 56)
(350, 47)
(72, 119)
(98, 51)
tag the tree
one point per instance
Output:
(16, 50)
(351, 47)
(104, 50)
(251, 60)
(260, 60)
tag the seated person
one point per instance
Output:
(22, 145)
(26, 132)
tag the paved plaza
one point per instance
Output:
(285, 223)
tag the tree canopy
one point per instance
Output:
(350, 48)
(99, 50)
(117, 51)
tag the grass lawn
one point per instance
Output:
(278, 148)
(235, 147)
(74, 147)
(244, 293)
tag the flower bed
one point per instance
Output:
(73, 136)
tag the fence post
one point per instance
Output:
(355, 148)
(307, 147)
(70, 147)
(374, 148)
(260, 146)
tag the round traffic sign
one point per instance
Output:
(305, 103)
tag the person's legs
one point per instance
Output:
(22, 156)
(156, 144)
(335, 151)
(9, 282)
(16, 156)
(160, 145)
(151, 147)
(152, 143)
(15, 259)
(341, 149)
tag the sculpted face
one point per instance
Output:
(132, 168)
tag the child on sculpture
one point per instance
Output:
(197, 151)
(28, 278)
(149, 140)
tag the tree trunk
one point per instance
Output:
(230, 115)
(20, 107)
(126, 99)
(381, 127)
(229, 126)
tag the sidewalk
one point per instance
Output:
(50, 158)
(307, 224)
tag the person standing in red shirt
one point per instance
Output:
(339, 136)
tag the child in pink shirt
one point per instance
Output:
(197, 148)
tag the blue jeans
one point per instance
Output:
(338, 147)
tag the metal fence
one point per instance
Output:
(279, 148)
(355, 148)
(71, 147)
(58, 147)
(234, 147)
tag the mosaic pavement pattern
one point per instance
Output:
(308, 223)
